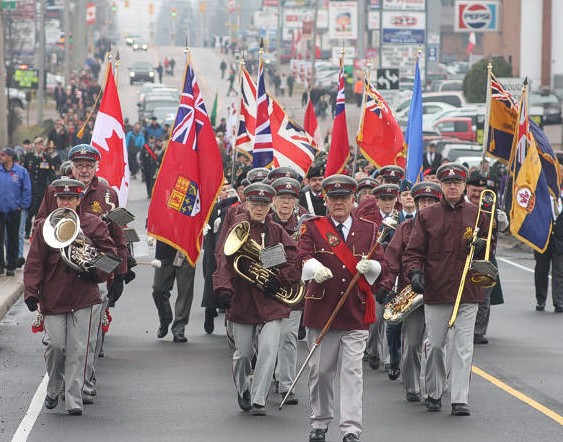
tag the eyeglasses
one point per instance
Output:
(88, 167)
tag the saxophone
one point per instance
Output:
(402, 305)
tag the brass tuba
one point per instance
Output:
(402, 305)
(248, 266)
(61, 230)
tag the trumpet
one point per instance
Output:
(482, 273)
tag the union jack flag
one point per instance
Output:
(499, 93)
(340, 97)
(190, 110)
(263, 154)
(374, 102)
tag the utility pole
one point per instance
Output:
(314, 51)
(3, 91)
(41, 62)
(67, 30)
(362, 18)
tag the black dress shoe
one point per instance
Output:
(374, 362)
(317, 435)
(75, 412)
(180, 337)
(10, 273)
(540, 307)
(244, 401)
(258, 410)
(558, 309)
(460, 410)
(20, 263)
(209, 323)
(291, 399)
(433, 404)
(51, 403)
(350, 438)
(301, 333)
(480, 339)
(162, 331)
(393, 372)
(413, 397)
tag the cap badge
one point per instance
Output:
(337, 186)
(428, 189)
(67, 189)
(451, 172)
(261, 193)
(288, 186)
(392, 173)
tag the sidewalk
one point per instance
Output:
(11, 287)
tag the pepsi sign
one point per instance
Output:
(476, 16)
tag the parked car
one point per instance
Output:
(141, 71)
(453, 151)
(165, 115)
(549, 103)
(455, 99)
(446, 85)
(458, 127)
(428, 112)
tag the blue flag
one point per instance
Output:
(413, 136)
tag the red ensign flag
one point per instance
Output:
(190, 177)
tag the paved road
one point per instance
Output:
(156, 390)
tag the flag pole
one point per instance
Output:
(487, 117)
(116, 68)
(367, 74)
(234, 154)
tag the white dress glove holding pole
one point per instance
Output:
(502, 220)
(370, 268)
(313, 269)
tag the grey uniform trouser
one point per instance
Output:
(341, 350)
(96, 340)
(268, 335)
(287, 353)
(437, 317)
(483, 313)
(413, 338)
(162, 286)
(66, 351)
(376, 344)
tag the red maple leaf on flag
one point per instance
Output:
(113, 159)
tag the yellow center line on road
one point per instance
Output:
(518, 395)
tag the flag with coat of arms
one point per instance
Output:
(190, 176)
(108, 136)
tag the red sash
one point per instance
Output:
(343, 253)
(150, 152)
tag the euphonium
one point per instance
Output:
(402, 305)
(248, 266)
(61, 230)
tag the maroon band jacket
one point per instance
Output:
(52, 282)
(248, 304)
(438, 247)
(321, 299)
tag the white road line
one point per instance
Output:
(515, 264)
(26, 425)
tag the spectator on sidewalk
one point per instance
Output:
(59, 137)
(16, 196)
(135, 142)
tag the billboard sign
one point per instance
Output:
(404, 5)
(476, 16)
(343, 20)
(403, 27)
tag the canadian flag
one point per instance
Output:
(312, 127)
(108, 137)
(91, 13)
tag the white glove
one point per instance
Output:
(322, 274)
(216, 225)
(502, 220)
(370, 268)
(206, 229)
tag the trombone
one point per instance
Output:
(482, 273)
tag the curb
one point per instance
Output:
(10, 290)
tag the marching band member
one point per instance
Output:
(67, 299)
(365, 186)
(434, 261)
(311, 195)
(331, 250)
(412, 330)
(98, 199)
(285, 205)
(254, 311)
(385, 197)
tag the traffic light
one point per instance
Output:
(173, 12)
(114, 7)
(151, 8)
